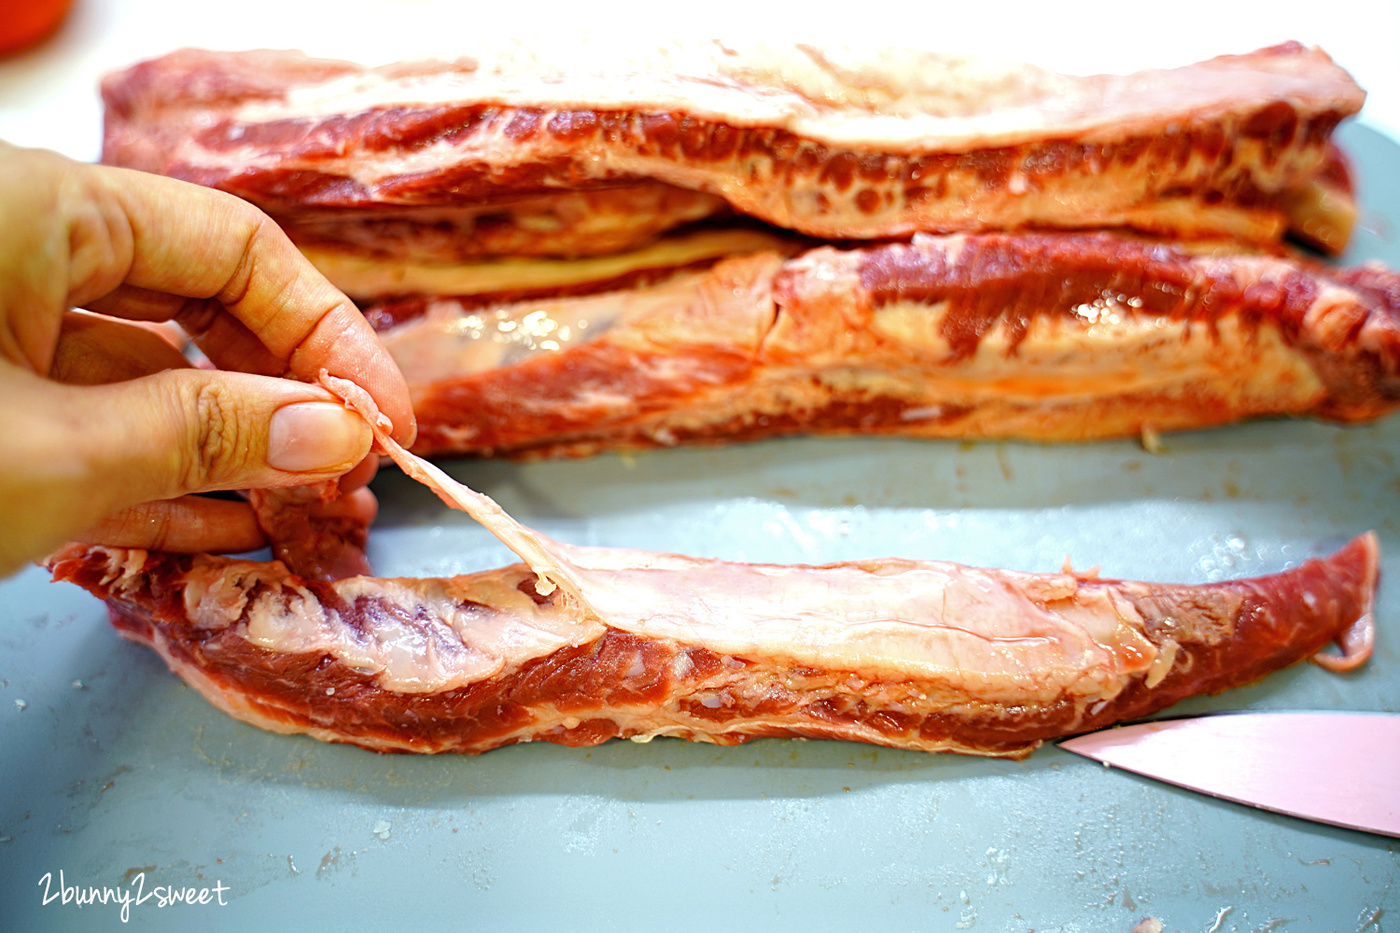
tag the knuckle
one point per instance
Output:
(197, 316)
(247, 272)
(157, 530)
(148, 526)
(218, 448)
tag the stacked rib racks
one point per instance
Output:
(710, 242)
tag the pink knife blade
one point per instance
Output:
(1331, 767)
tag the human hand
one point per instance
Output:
(109, 430)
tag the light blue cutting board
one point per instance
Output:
(110, 768)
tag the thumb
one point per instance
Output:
(190, 430)
(77, 454)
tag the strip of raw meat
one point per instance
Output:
(1039, 336)
(830, 143)
(918, 655)
(608, 221)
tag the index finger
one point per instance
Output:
(196, 242)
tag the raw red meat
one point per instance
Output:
(918, 655)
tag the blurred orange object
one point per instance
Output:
(24, 23)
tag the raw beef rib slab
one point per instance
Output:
(550, 239)
(917, 655)
(1043, 336)
(825, 142)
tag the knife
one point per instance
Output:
(1340, 768)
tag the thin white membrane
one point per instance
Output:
(542, 554)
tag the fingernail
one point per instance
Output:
(307, 437)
